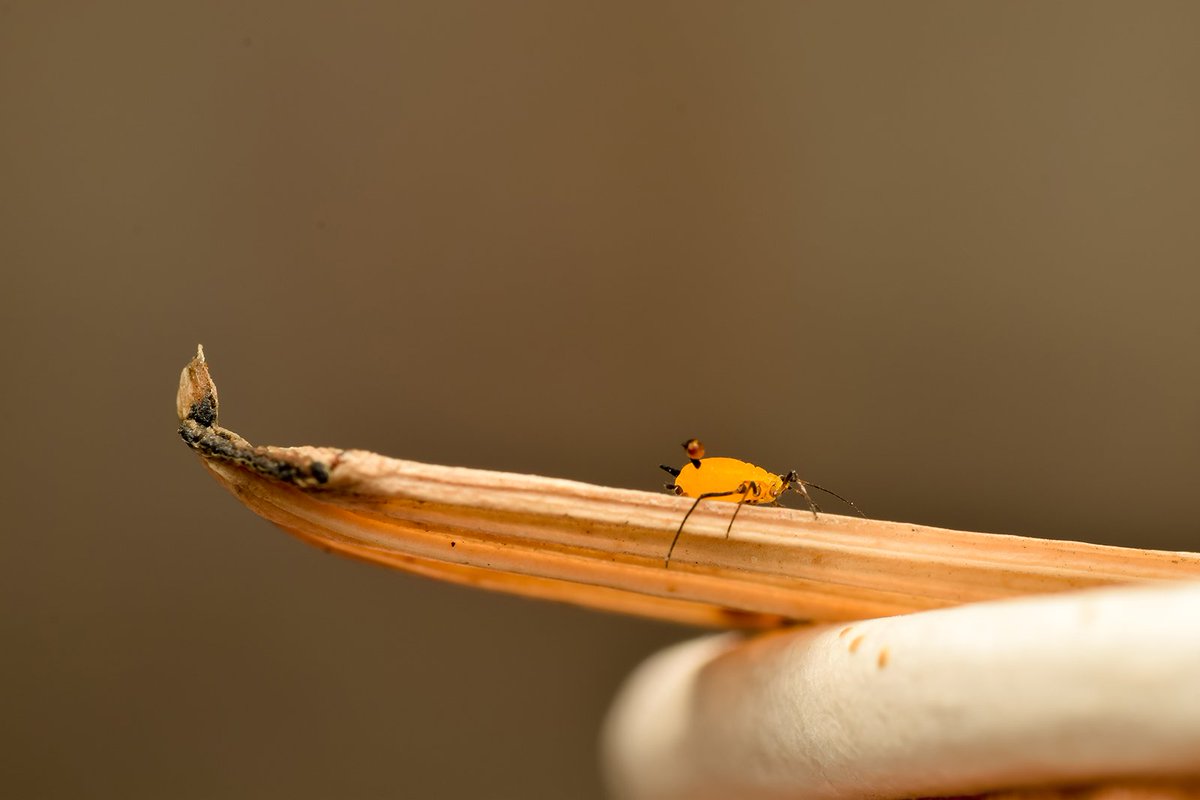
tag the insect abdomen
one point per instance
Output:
(726, 475)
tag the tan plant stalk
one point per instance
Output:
(603, 547)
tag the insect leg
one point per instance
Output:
(793, 480)
(812, 504)
(671, 549)
(835, 494)
(746, 489)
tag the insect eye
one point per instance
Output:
(694, 448)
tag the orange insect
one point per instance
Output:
(732, 481)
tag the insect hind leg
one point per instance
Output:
(706, 496)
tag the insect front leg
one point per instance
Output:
(793, 480)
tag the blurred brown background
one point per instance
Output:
(941, 257)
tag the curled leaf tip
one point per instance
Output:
(197, 404)
(197, 396)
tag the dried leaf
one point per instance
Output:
(603, 547)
